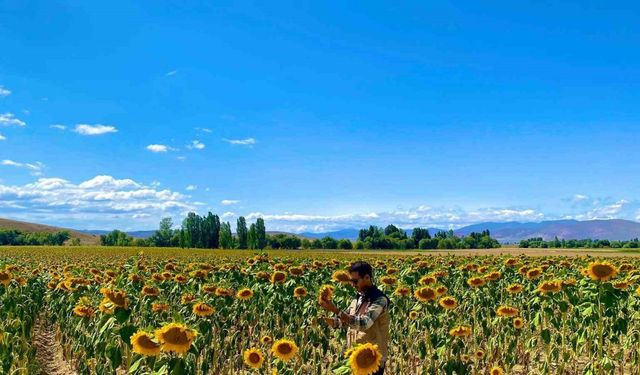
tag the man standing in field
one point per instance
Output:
(367, 317)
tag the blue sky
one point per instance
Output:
(318, 116)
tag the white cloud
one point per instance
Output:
(580, 197)
(4, 92)
(97, 201)
(2, 138)
(228, 215)
(607, 211)
(196, 145)
(171, 73)
(58, 126)
(206, 130)
(181, 158)
(159, 148)
(9, 119)
(85, 129)
(34, 168)
(191, 187)
(243, 142)
(229, 202)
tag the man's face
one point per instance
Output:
(359, 282)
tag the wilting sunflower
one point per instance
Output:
(475, 282)
(518, 323)
(448, 302)
(244, 294)
(460, 331)
(202, 309)
(175, 337)
(496, 370)
(364, 359)
(83, 311)
(278, 277)
(253, 358)
(300, 292)
(601, 271)
(515, 288)
(325, 293)
(549, 286)
(284, 349)
(144, 343)
(507, 311)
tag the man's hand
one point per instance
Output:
(329, 306)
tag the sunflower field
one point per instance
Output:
(176, 311)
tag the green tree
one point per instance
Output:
(241, 232)
(261, 234)
(226, 237)
(252, 237)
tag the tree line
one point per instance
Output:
(538, 242)
(14, 237)
(209, 232)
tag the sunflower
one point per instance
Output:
(475, 282)
(479, 354)
(175, 337)
(296, 271)
(550, 286)
(493, 276)
(159, 307)
(496, 370)
(448, 302)
(253, 358)
(427, 279)
(83, 311)
(402, 291)
(425, 294)
(244, 294)
(266, 339)
(284, 349)
(144, 343)
(364, 359)
(341, 277)
(515, 288)
(534, 273)
(106, 306)
(413, 314)
(518, 323)
(202, 309)
(116, 297)
(460, 331)
(300, 292)
(278, 277)
(507, 311)
(224, 292)
(151, 291)
(388, 280)
(510, 262)
(325, 293)
(601, 271)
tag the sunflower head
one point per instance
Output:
(144, 343)
(549, 286)
(413, 314)
(507, 311)
(515, 288)
(300, 292)
(460, 331)
(601, 271)
(253, 358)
(475, 282)
(202, 309)
(518, 323)
(266, 339)
(364, 359)
(341, 276)
(244, 294)
(175, 337)
(402, 291)
(284, 349)
(448, 302)
(534, 273)
(278, 277)
(325, 293)
(496, 370)
(425, 294)
(83, 311)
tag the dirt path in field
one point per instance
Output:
(48, 351)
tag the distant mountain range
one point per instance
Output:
(508, 232)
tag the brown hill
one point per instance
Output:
(85, 239)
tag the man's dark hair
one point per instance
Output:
(362, 268)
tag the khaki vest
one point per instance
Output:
(377, 334)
